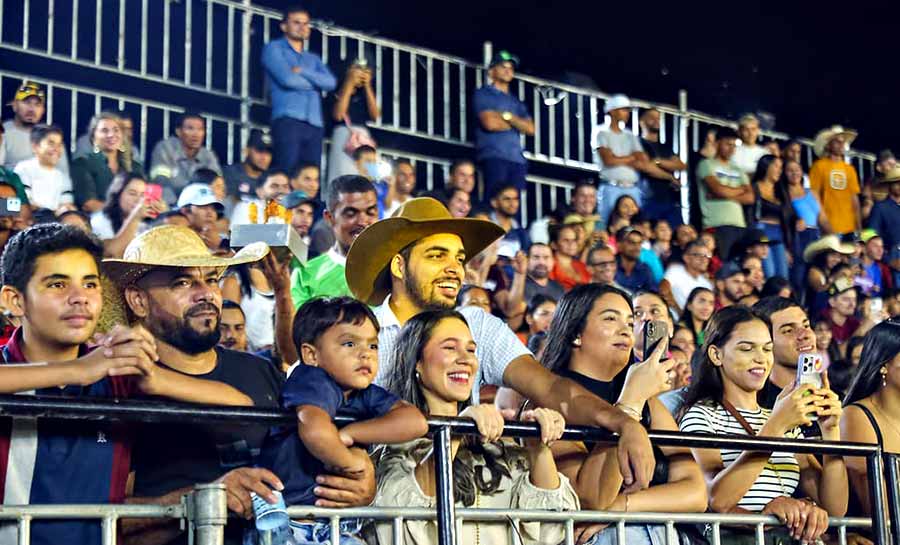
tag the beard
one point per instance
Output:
(418, 298)
(178, 331)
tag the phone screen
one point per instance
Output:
(153, 192)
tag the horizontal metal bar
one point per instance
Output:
(85, 511)
(68, 408)
(480, 514)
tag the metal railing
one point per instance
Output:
(213, 47)
(204, 510)
(446, 513)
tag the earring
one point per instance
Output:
(577, 341)
(883, 377)
(96, 148)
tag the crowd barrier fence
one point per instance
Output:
(208, 519)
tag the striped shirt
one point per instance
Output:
(779, 477)
(496, 344)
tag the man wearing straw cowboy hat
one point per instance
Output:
(415, 260)
(834, 181)
(885, 218)
(170, 284)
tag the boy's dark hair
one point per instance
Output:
(190, 114)
(81, 215)
(460, 162)
(163, 216)
(357, 153)
(318, 315)
(300, 168)
(228, 304)
(23, 250)
(261, 181)
(41, 131)
(726, 132)
(348, 183)
(204, 176)
(402, 161)
(767, 306)
(292, 9)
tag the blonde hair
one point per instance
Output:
(125, 149)
(747, 118)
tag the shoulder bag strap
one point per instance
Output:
(737, 416)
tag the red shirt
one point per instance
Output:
(582, 275)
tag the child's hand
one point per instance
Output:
(346, 439)
(551, 422)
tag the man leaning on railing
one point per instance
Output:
(51, 281)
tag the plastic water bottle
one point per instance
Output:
(273, 525)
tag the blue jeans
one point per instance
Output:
(635, 534)
(608, 194)
(295, 143)
(776, 263)
(307, 533)
(657, 210)
(498, 173)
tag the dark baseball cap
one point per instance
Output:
(259, 140)
(503, 56)
(728, 270)
(627, 230)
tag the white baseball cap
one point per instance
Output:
(615, 102)
(198, 195)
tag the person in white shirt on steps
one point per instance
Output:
(45, 184)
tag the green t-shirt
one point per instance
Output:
(319, 277)
(718, 211)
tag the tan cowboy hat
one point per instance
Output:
(371, 253)
(825, 135)
(173, 246)
(890, 176)
(827, 243)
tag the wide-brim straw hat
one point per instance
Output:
(827, 243)
(825, 135)
(890, 176)
(173, 246)
(369, 258)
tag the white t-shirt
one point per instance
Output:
(259, 309)
(781, 474)
(683, 283)
(746, 157)
(102, 226)
(45, 187)
(621, 144)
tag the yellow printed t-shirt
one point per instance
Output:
(836, 184)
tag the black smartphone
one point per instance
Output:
(655, 332)
(10, 206)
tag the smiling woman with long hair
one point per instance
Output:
(591, 341)
(730, 369)
(872, 405)
(434, 369)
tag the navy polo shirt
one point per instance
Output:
(885, 219)
(641, 278)
(46, 461)
(498, 144)
(285, 454)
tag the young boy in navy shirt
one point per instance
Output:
(337, 339)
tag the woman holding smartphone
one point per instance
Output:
(731, 368)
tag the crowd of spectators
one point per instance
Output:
(413, 303)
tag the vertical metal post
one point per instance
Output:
(120, 57)
(580, 116)
(144, 32)
(683, 155)
(429, 90)
(208, 514)
(695, 133)
(446, 503)
(188, 39)
(26, 12)
(246, 22)
(229, 53)
(144, 130)
(662, 128)
(379, 84)
(1, 20)
(49, 103)
(50, 10)
(892, 477)
(73, 47)
(537, 120)
(209, 43)
(413, 92)
(567, 140)
(108, 530)
(487, 53)
(551, 118)
(635, 123)
(445, 85)
(395, 89)
(73, 118)
(167, 24)
(25, 530)
(463, 111)
(875, 470)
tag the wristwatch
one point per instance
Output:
(506, 116)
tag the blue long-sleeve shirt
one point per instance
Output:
(296, 94)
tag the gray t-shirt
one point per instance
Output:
(17, 147)
(621, 144)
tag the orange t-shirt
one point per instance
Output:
(837, 185)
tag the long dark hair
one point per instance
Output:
(688, 317)
(112, 209)
(402, 382)
(569, 321)
(780, 190)
(881, 345)
(706, 383)
(614, 213)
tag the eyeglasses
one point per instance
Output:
(602, 264)
(696, 254)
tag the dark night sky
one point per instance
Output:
(809, 67)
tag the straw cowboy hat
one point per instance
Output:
(825, 135)
(370, 256)
(173, 246)
(828, 243)
(890, 176)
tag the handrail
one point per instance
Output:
(169, 412)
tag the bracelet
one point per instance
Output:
(629, 410)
